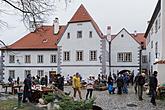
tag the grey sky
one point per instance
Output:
(129, 14)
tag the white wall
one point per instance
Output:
(21, 66)
(124, 44)
(85, 43)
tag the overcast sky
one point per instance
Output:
(130, 14)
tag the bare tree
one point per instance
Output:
(33, 12)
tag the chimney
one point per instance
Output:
(56, 25)
(135, 32)
(109, 33)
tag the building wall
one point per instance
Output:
(20, 66)
(163, 27)
(85, 44)
(124, 44)
(152, 38)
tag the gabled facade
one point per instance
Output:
(156, 41)
(36, 53)
(81, 46)
(125, 49)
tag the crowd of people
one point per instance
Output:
(122, 81)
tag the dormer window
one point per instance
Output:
(79, 34)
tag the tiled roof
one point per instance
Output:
(160, 62)
(82, 15)
(140, 38)
(41, 39)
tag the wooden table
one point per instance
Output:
(37, 94)
(15, 87)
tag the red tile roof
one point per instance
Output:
(41, 39)
(82, 15)
(140, 38)
(160, 62)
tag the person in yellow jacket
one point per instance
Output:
(76, 84)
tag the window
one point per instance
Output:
(149, 56)
(68, 35)
(93, 55)
(156, 50)
(159, 20)
(124, 57)
(122, 35)
(156, 26)
(148, 38)
(79, 55)
(79, 34)
(53, 59)
(66, 56)
(40, 73)
(151, 44)
(27, 72)
(11, 59)
(40, 59)
(90, 34)
(27, 59)
(12, 74)
(144, 59)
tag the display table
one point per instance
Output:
(15, 87)
(37, 93)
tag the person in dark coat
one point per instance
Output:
(120, 83)
(61, 83)
(141, 82)
(153, 85)
(135, 83)
(27, 88)
(46, 80)
(18, 80)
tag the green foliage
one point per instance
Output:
(76, 105)
(48, 98)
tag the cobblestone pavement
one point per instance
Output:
(121, 102)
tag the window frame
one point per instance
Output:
(12, 74)
(11, 58)
(79, 55)
(26, 72)
(40, 59)
(93, 56)
(27, 58)
(40, 73)
(123, 57)
(79, 34)
(90, 34)
(66, 56)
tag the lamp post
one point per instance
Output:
(140, 57)
(109, 41)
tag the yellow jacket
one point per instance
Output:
(76, 82)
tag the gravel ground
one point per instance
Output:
(121, 102)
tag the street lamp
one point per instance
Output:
(140, 57)
(109, 41)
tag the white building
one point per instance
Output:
(156, 41)
(81, 46)
(125, 48)
(35, 53)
